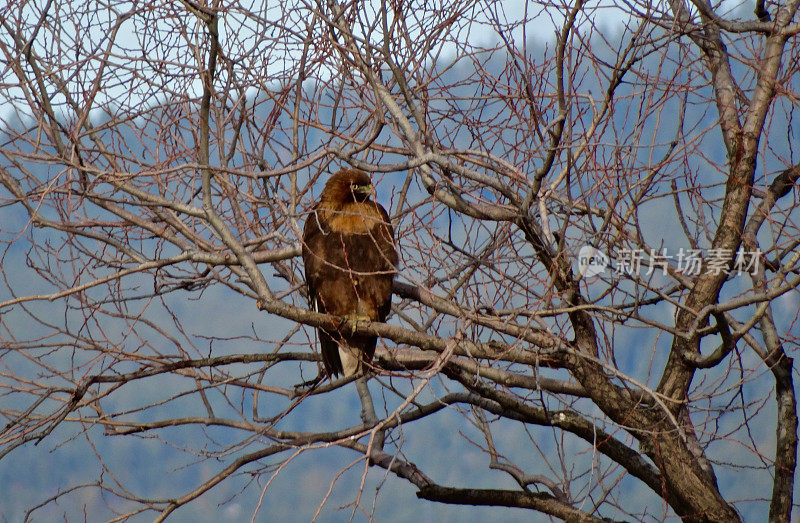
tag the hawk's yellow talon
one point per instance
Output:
(353, 319)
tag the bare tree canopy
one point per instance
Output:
(596, 304)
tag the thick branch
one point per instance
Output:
(505, 498)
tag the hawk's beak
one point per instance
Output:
(366, 190)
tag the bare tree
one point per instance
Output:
(595, 207)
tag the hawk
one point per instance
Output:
(350, 261)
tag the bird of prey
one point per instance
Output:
(350, 261)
